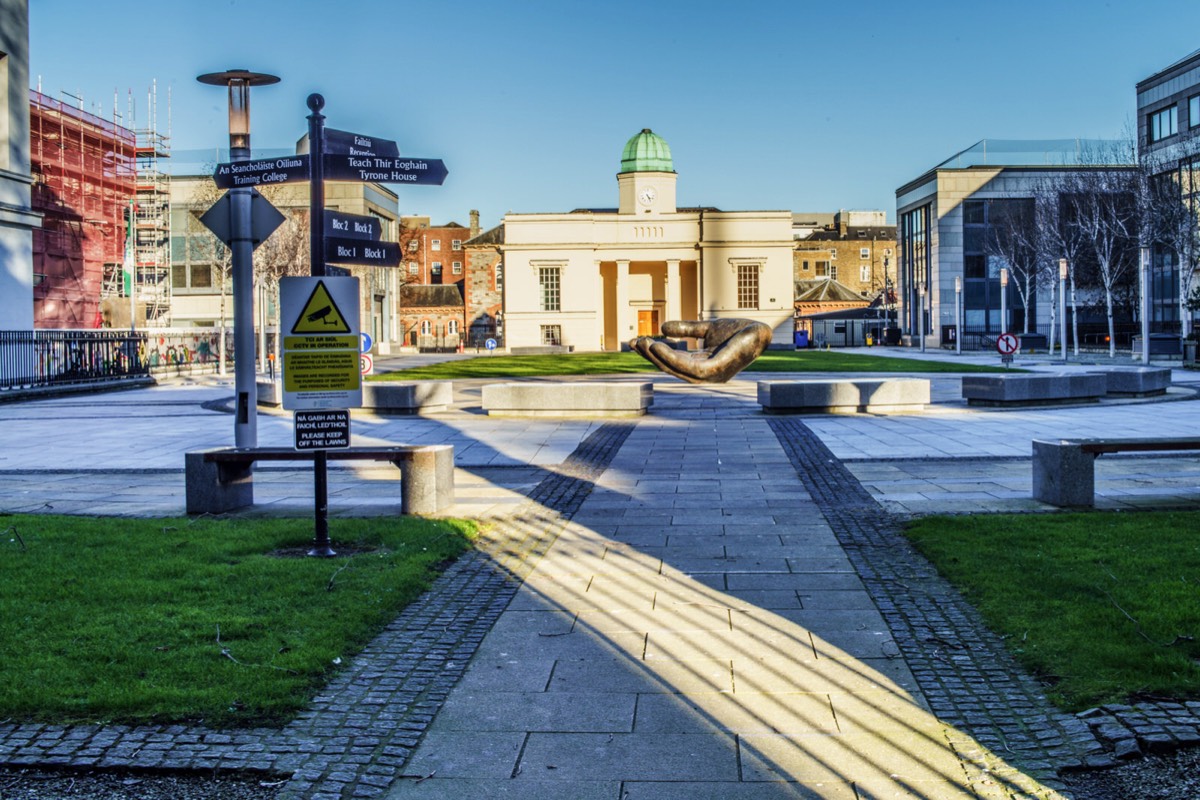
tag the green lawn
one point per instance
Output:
(1105, 607)
(140, 620)
(502, 366)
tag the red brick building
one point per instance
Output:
(84, 181)
(483, 289)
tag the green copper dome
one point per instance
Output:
(647, 152)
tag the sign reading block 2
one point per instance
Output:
(320, 343)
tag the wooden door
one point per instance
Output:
(648, 323)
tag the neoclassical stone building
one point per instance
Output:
(595, 278)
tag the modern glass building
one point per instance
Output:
(1168, 107)
(953, 222)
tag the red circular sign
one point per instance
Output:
(1007, 344)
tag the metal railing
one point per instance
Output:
(31, 359)
(44, 358)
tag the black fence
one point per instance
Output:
(1093, 337)
(30, 359)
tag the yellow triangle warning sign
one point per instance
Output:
(320, 314)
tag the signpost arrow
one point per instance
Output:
(356, 144)
(264, 218)
(421, 171)
(262, 172)
(353, 226)
(361, 252)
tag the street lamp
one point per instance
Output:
(1062, 306)
(1145, 280)
(921, 314)
(239, 81)
(1004, 299)
(958, 315)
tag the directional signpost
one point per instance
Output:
(420, 171)
(357, 144)
(355, 226)
(262, 172)
(324, 346)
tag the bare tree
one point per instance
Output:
(205, 248)
(1060, 239)
(1104, 205)
(1014, 239)
(1172, 225)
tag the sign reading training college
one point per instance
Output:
(320, 343)
(262, 172)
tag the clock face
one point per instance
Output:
(646, 196)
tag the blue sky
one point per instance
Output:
(766, 105)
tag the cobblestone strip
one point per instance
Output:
(357, 734)
(969, 679)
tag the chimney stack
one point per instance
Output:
(474, 223)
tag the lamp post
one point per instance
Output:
(239, 81)
(921, 314)
(1144, 273)
(958, 315)
(1062, 307)
(1004, 299)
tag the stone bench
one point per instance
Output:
(1064, 470)
(843, 396)
(1034, 388)
(1137, 381)
(568, 399)
(223, 480)
(385, 397)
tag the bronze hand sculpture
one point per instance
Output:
(730, 345)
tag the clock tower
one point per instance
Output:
(647, 177)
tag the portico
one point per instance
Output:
(595, 278)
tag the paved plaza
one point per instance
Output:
(705, 602)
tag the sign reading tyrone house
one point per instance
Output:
(421, 171)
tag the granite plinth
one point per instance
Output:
(843, 396)
(572, 399)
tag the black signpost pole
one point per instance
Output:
(316, 226)
(316, 205)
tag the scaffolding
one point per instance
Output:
(137, 290)
(84, 176)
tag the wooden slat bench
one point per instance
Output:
(1064, 470)
(223, 480)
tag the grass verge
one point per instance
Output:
(1105, 607)
(624, 363)
(154, 620)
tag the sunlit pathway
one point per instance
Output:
(696, 631)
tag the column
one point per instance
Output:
(626, 325)
(674, 291)
(600, 315)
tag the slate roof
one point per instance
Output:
(826, 290)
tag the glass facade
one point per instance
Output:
(982, 265)
(914, 242)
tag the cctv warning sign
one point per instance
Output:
(321, 314)
(320, 357)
